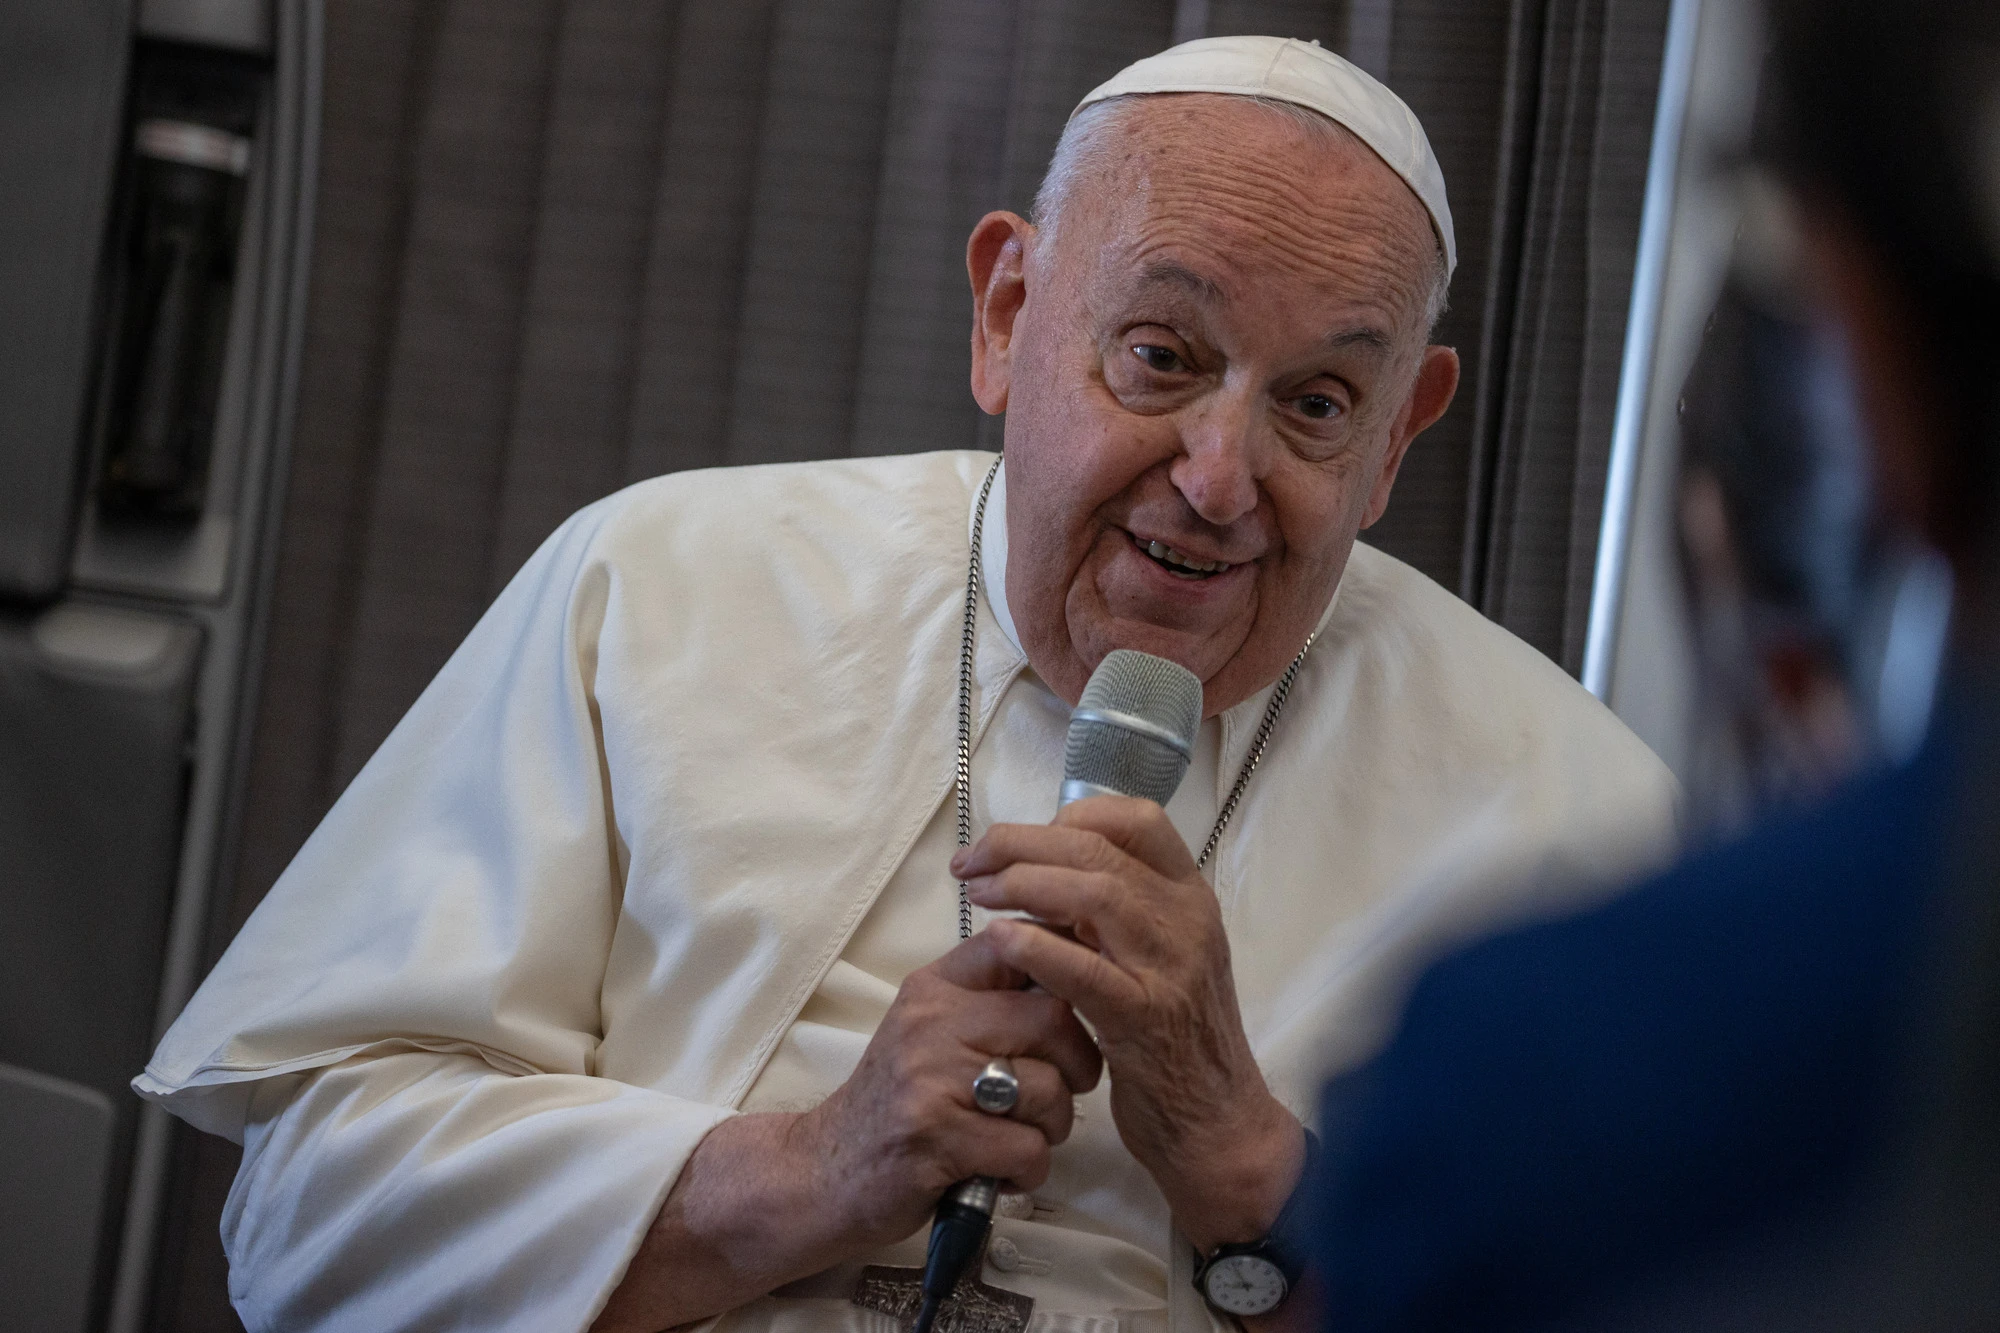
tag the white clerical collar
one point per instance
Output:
(993, 555)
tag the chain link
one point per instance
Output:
(1250, 761)
(964, 784)
(964, 793)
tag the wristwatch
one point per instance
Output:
(1254, 1277)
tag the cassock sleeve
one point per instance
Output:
(405, 1032)
(425, 1191)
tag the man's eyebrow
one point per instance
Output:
(1171, 273)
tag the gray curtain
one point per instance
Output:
(567, 244)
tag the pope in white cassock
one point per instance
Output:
(624, 987)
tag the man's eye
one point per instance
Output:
(1318, 406)
(1162, 359)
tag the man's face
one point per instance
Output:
(1210, 376)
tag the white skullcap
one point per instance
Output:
(1288, 70)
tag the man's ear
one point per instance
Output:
(1430, 395)
(994, 259)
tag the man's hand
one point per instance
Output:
(903, 1128)
(769, 1198)
(1149, 968)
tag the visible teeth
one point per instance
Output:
(1162, 551)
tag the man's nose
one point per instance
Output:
(1222, 456)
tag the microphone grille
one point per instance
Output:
(1158, 692)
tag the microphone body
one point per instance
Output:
(1131, 734)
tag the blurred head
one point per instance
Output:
(1838, 426)
(1887, 129)
(1212, 347)
(1779, 556)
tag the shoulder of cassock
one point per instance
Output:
(639, 812)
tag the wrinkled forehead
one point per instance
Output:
(1218, 198)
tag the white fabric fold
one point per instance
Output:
(407, 1166)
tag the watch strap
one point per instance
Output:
(1286, 1243)
(1288, 1237)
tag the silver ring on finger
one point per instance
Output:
(996, 1091)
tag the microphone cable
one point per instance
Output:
(957, 1233)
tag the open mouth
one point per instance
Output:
(1179, 564)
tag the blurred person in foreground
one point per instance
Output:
(1763, 1090)
(1817, 620)
(624, 986)
(1793, 592)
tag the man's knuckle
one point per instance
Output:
(1099, 854)
(1107, 892)
(1100, 978)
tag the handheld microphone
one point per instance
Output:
(1131, 734)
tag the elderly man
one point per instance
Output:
(625, 985)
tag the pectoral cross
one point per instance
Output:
(972, 1307)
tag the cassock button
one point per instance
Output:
(1016, 1206)
(1004, 1254)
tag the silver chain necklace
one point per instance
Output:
(964, 785)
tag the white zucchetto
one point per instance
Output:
(1285, 69)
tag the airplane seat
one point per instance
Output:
(156, 173)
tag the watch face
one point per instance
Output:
(1244, 1284)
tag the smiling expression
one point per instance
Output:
(1210, 375)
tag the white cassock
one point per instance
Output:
(664, 836)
